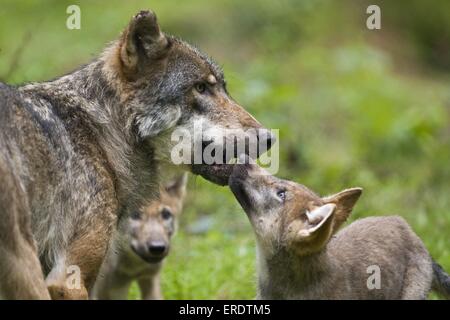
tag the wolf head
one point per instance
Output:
(152, 227)
(287, 215)
(169, 86)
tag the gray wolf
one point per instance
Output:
(81, 151)
(140, 245)
(301, 254)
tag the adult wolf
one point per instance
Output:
(78, 152)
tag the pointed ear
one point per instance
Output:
(318, 229)
(142, 41)
(344, 201)
(177, 186)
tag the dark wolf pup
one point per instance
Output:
(301, 254)
(80, 151)
(140, 246)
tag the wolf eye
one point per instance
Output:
(200, 87)
(135, 215)
(281, 194)
(166, 214)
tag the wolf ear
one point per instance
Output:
(141, 42)
(344, 201)
(177, 186)
(317, 230)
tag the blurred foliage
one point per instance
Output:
(354, 107)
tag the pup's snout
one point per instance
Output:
(157, 248)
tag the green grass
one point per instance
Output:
(354, 108)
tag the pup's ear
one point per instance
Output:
(177, 186)
(317, 230)
(142, 41)
(344, 201)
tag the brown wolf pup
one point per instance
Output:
(302, 256)
(80, 151)
(140, 245)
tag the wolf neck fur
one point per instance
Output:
(95, 92)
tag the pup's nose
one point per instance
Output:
(266, 139)
(157, 247)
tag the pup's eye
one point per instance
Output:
(166, 214)
(200, 87)
(281, 194)
(135, 215)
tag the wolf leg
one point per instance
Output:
(21, 275)
(74, 276)
(20, 272)
(65, 282)
(150, 287)
(112, 286)
(88, 250)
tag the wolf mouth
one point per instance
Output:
(153, 260)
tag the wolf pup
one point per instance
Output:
(140, 245)
(302, 256)
(80, 151)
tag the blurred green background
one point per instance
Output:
(354, 107)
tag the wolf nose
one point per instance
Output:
(266, 139)
(157, 247)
